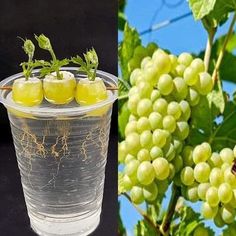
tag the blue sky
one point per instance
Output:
(185, 35)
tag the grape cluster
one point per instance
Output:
(164, 89)
(208, 176)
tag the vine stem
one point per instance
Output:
(123, 97)
(165, 225)
(143, 214)
(6, 88)
(207, 56)
(221, 55)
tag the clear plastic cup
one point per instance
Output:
(61, 153)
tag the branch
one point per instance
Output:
(143, 214)
(207, 56)
(221, 55)
(165, 225)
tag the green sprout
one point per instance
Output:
(54, 65)
(27, 67)
(89, 65)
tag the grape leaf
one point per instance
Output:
(121, 21)
(126, 49)
(143, 229)
(201, 8)
(123, 119)
(225, 133)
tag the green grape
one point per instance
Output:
(131, 127)
(202, 189)
(180, 90)
(185, 110)
(136, 195)
(156, 152)
(231, 230)
(232, 202)
(151, 48)
(178, 144)
(122, 151)
(140, 78)
(129, 158)
(127, 182)
(198, 65)
(133, 63)
(150, 192)
(228, 214)
(230, 178)
(145, 173)
(216, 177)
(204, 84)
(162, 168)
(140, 52)
(133, 90)
(225, 193)
(185, 59)
(165, 84)
(174, 110)
(144, 89)
(193, 97)
(191, 193)
(162, 61)
(144, 107)
(169, 123)
(159, 138)
(225, 166)
(132, 118)
(215, 160)
(145, 61)
(143, 155)
(190, 76)
(212, 196)
(155, 95)
(151, 74)
(134, 75)
(155, 120)
(172, 171)
(169, 151)
(182, 130)
(131, 168)
(202, 172)
(218, 220)
(187, 155)
(227, 155)
(234, 151)
(177, 180)
(187, 176)
(146, 139)
(132, 142)
(160, 106)
(133, 103)
(173, 60)
(142, 124)
(200, 231)
(208, 212)
(178, 163)
(180, 70)
(27, 92)
(201, 153)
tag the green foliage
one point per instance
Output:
(126, 49)
(54, 65)
(121, 228)
(89, 65)
(121, 188)
(123, 119)
(143, 228)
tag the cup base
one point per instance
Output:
(73, 227)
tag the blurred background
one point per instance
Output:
(73, 26)
(177, 31)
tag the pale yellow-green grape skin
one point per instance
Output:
(59, 91)
(27, 92)
(91, 92)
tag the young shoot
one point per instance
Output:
(54, 65)
(89, 64)
(27, 67)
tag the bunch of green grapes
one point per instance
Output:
(164, 89)
(209, 176)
